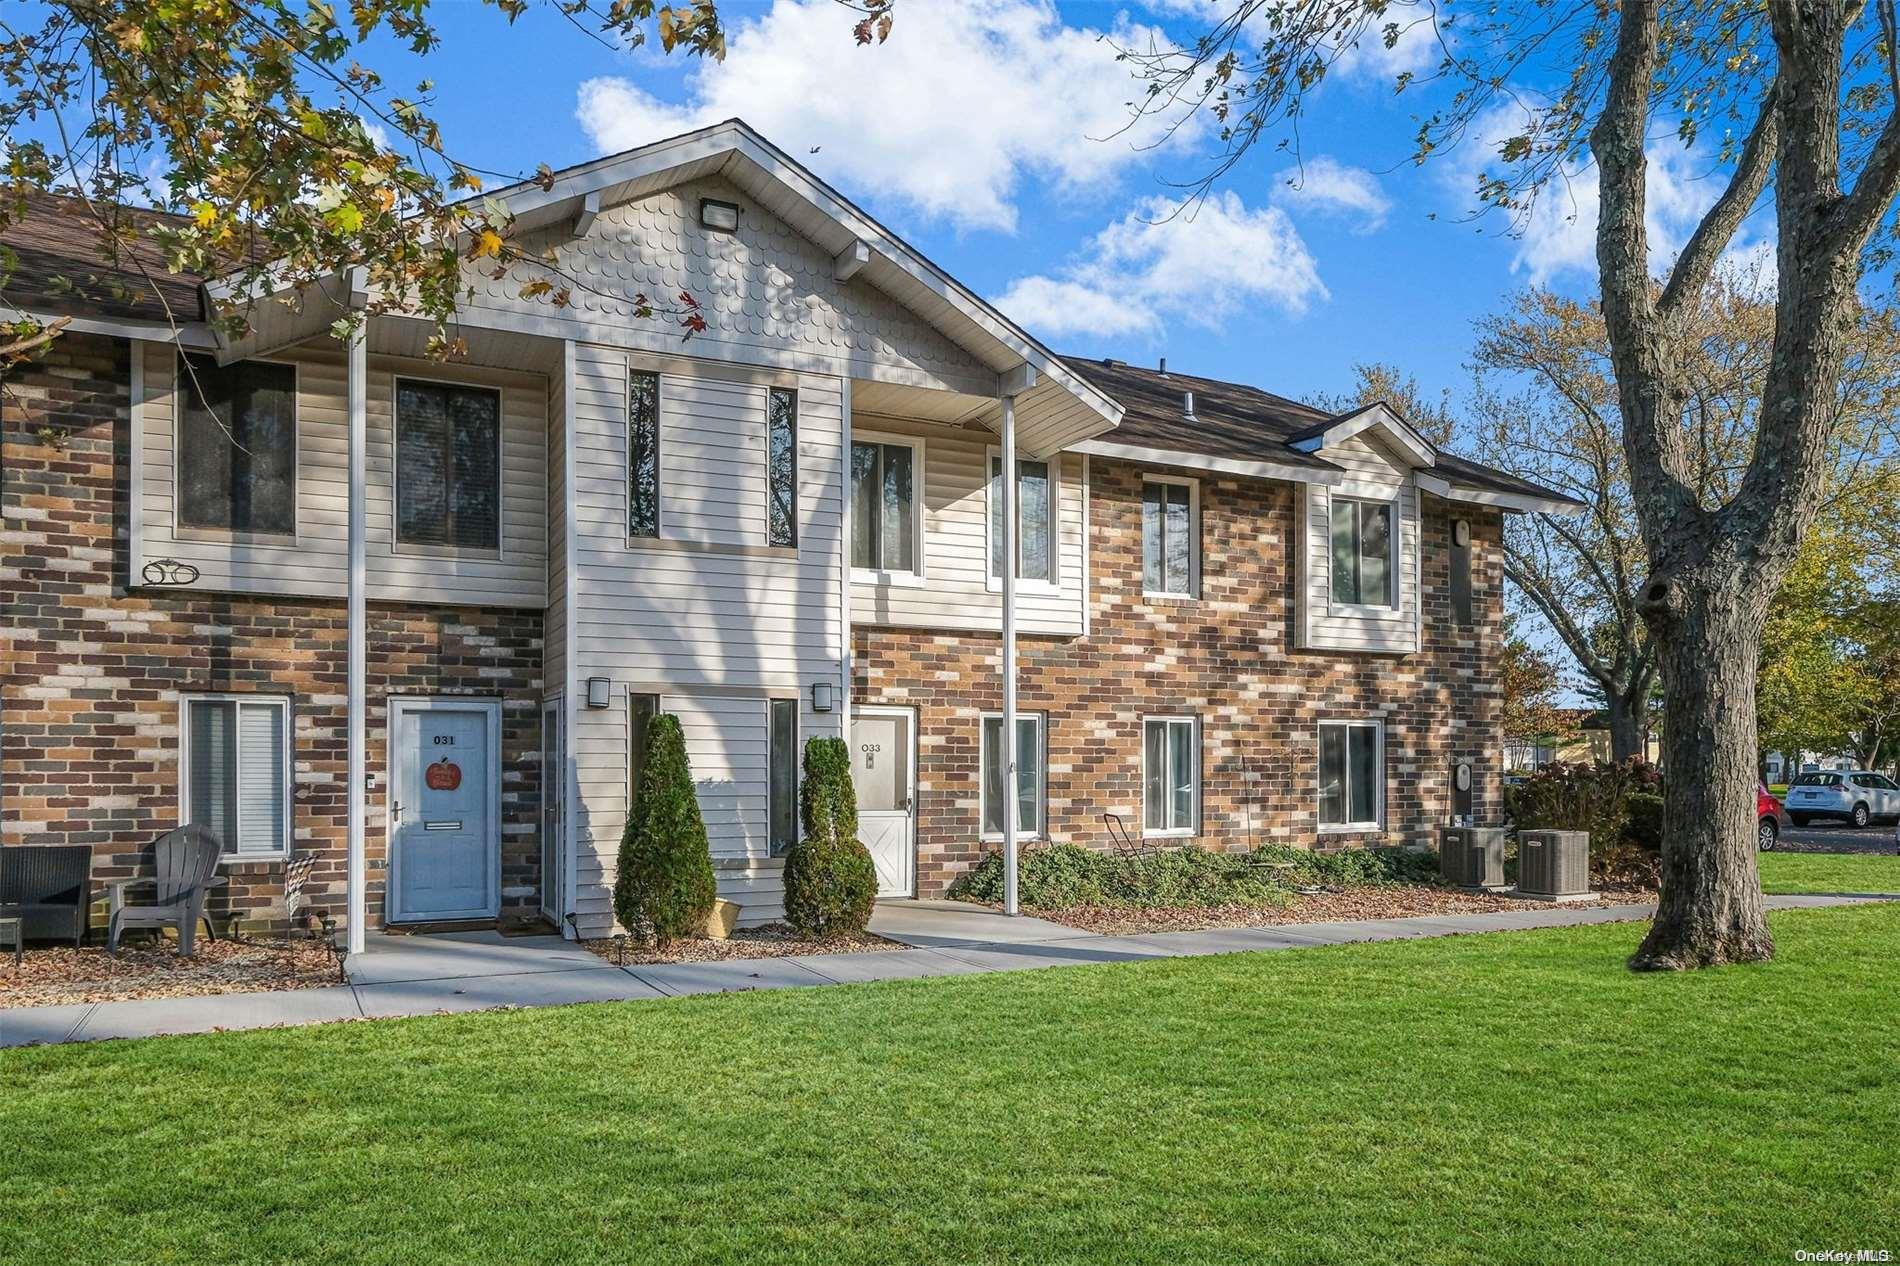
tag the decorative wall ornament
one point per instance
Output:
(168, 571)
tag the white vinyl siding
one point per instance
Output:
(957, 592)
(706, 617)
(1373, 475)
(315, 563)
(234, 771)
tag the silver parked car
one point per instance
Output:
(1857, 796)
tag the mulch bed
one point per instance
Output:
(1396, 902)
(153, 969)
(768, 940)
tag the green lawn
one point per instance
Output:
(1830, 872)
(1506, 1098)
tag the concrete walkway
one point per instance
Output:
(473, 971)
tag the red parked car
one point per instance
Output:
(1768, 818)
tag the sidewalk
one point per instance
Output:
(427, 975)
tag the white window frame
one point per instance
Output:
(282, 702)
(180, 531)
(659, 459)
(1194, 813)
(1377, 725)
(499, 550)
(1024, 584)
(884, 575)
(1395, 588)
(1193, 591)
(798, 733)
(1041, 830)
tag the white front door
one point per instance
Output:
(444, 813)
(884, 769)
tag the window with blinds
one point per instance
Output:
(448, 465)
(237, 446)
(235, 772)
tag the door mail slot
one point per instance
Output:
(444, 825)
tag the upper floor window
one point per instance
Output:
(1363, 549)
(237, 446)
(1034, 526)
(448, 465)
(643, 454)
(1169, 549)
(883, 506)
(235, 771)
(781, 467)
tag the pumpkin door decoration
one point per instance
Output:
(444, 775)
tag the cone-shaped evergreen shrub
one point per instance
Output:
(665, 887)
(830, 881)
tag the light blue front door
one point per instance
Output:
(445, 849)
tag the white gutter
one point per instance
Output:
(1522, 502)
(192, 334)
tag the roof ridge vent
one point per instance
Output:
(1187, 406)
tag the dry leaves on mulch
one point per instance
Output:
(153, 969)
(768, 940)
(1329, 907)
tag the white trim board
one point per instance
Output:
(1247, 468)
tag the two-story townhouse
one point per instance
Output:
(409, 617)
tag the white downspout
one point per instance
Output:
(1009, 656)
(358, 659)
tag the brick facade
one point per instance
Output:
(93, 671)
(1228, 658)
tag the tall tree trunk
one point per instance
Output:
(1626, 729)
(1708, 635)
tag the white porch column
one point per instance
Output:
(1007, 757)
(358, 659)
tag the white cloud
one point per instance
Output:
(1327, 186)
(1557, 236)
(1160, 265)
(948, 117)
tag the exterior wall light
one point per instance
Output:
(720, 217)
(821, 696)
(599, 692)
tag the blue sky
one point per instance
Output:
(970, 134)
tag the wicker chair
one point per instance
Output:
(184, 870)
(48, 887)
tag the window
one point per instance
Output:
(782, 756)
(640, 710)
(1351, 775)
(643, 454)
(1171, 776)
(1029, 774)
(883, 506)
(1168, 546)
(1362, 553)
(1033, 497)
(235, 771)
(448, 465)
(237, 446)
(781, 467)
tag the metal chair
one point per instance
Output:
(184, 866)
(1125, 844)
(48, 888)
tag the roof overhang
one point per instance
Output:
(1376, 416)
(1248, 468)
(195, 335)
(1055, 407)
(1524, 503)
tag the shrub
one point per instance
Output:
(1067, 875)
(830, 880)
(1353, 867)
(665, 886)
(1620, 805)
(1645, 823)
